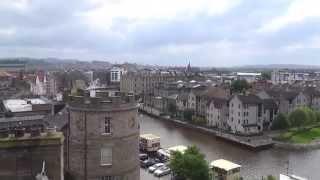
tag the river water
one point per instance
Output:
(254, 164)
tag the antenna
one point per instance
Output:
(288, 164)
(43, 168)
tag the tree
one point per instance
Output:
(239, 86)
(281, 122)
(317, 114)
(172, 108)
(190, 165)
(270, 177)
(312, 118)
(187, 115)
(266, 75)
(298, 118)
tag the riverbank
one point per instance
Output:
(297, 139)
(253, 142)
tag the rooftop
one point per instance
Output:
(249, 99)
(149, 136)
(224, 164)
(53, 138)
(22, 105)
(248, 74)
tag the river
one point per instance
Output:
(254, 164)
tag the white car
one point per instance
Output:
(155, 167)
(164, 170)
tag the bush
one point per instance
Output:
(199, 121)
(312, 118)
(172, 108)
(281, 122)
(317, 113)
(303, 116)
(187, 115)
(298, 118)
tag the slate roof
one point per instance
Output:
(215, 92)
(217, 101)
(312, 91)
(183, 96)
(289, 95)
(59, 120)
(249, 99)
(269, 104)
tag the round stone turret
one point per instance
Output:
(103, 137)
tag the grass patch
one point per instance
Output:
(303, 136)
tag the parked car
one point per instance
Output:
(164, 170)
(155, 167)
(147, 163)
(143, 157)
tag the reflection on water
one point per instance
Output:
(254, 164)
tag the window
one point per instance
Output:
(110, 178)
(107, 125)
(106, 156)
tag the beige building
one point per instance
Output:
(225, 170)
(245, 114)
(217, 113)
(144, 82)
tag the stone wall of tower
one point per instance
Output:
(87, 125)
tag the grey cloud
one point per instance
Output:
(51, 27)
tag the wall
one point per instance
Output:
(124, 141)
(25, 161)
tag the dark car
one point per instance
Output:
(147, 163)
(143, 157)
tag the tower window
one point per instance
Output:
(106, 156)
(107, 125)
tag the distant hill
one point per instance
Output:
(278, 66)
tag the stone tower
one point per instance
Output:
(103, 140)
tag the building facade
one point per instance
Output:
(218, 113)
(104, 138)
(25, 155)
(245, 114)
(143, 83)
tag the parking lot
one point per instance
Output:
(144, 174)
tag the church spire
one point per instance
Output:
(188, 69)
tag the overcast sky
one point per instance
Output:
(165, 32)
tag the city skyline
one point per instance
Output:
(207, 32)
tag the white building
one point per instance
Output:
(249, 77)
(217, 113)
(245, 114)
(116, 74)
(286, 76)
(89, 75)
